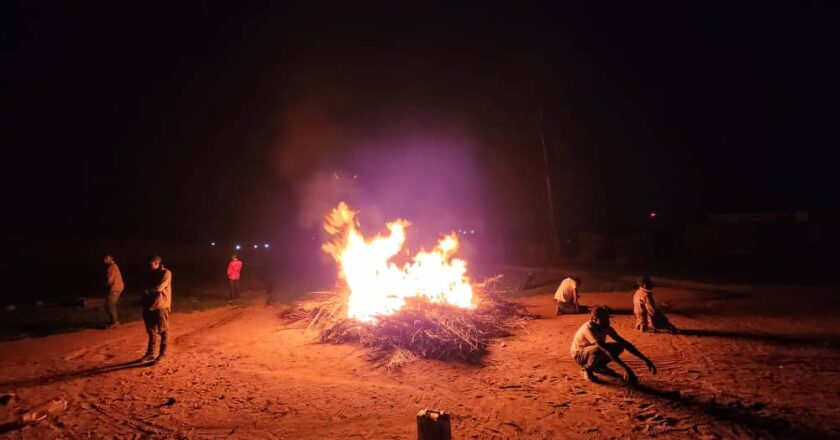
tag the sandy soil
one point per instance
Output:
(759, 366)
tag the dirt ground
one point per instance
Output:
(758, 363)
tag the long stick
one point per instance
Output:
(552, 221)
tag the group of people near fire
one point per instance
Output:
(590, 350)
(155, 299)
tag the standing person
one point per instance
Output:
(113, 288)
(591, 351)
(234, 270)
(648, 318)
(156, 301)
(567, 296)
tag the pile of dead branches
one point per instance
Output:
(420, 329)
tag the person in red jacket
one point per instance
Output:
(234, 270)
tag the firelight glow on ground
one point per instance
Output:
(379, 286)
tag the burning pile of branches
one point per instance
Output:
(420, 329)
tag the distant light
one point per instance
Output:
(265, 245)
(255, 246)
(212, 243)
(652, 214)
(472, 231)
(238, 247)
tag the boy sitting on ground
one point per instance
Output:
(591, 351)
(648, 317)
(567, 297)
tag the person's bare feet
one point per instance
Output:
(607, 371)
(588, 375)
(630, 377)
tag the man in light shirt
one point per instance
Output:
(567, 296)
(592, 353)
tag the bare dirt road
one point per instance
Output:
(755, 365)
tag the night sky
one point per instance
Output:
(191, 122)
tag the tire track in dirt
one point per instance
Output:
(138, 424)
(227, 318)
(86, 352)
(362, 382)
(242, 375)
(148, 429)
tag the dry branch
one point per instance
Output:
(420, 329)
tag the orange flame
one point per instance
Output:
(377, 285)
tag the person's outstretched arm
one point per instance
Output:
(613, 358)
(629, 375)
(634, 351)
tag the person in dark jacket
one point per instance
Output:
(156, 301)
(113, 289)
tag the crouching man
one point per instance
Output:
(156, 301)
(567, 297)
(591, 351)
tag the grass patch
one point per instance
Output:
(36, 321)
(607, 284)
(590, 284)
(519, 283)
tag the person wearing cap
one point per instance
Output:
(156, 301)
(113, 289)
(234, 270)
(592, 353)
(648, 317)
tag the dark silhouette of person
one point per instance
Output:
(114, 287)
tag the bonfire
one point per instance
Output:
(425, 307)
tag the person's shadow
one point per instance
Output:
(747, 416)
(9, 427)
(75, 374)
(816, 341)
(67, 375)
